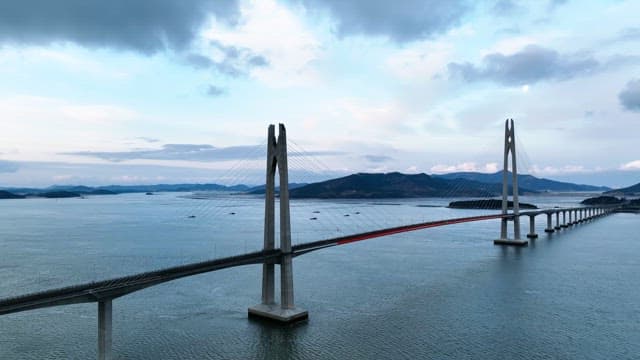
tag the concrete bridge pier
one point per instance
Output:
(104, 329)
(564, 219)
(532, 227)
(510, 148)
(557, 221)
(286, 312)
(570, 222)
(549, 228)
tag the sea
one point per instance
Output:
(439, 293)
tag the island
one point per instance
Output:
(633, 190)
(627, 205)
(58, 194)
(394, 185)
(9, 195)
(603, 200)
(492, 204)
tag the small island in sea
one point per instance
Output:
(603, 200)
(9, 195)
(58, 194)
(492, 204)
(628, 205)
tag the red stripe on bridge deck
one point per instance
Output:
(413, 227)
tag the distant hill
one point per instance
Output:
(172, 188)
(526, 181)
(260, 189)
(119, 189)
(395, 185)
(629, 191)
(8, 195)
(58, 194)
(603, 200)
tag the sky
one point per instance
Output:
(172, 91)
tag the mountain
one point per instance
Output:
(119, 189)
(629, 191)
(603, 200)
(172, 188)
(59, 194)
(395, 185)
(526, 181)
(7, 195)
(260, 189)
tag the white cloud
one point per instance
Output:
(97, 113)
(424, 61)
(68, 58)
(38, 109)
(35, 125)
(369, 113)
(466, 166)
(560, 170)
(632, 165)
(273, 31)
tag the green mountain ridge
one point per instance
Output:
(395, 185)
(526, 181)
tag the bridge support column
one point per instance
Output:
(286, 311)
(549, 228)
(510, 147)
(532, 227)
(570, 222)
(564, 219)
(104, 329)
(557, 227)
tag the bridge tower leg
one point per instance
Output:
(286, 311)
(510, 148)
(104, 329)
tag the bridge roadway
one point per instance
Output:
(117, 287)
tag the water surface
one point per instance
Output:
(442, 293)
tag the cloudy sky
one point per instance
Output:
(149, 91)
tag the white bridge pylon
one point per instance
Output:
(510, 149)
(285, 311)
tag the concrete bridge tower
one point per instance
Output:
(510, 149)
(285, 311)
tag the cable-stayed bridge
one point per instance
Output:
(104, 292)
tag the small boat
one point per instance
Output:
(313, 218)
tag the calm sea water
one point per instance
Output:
(442, 293)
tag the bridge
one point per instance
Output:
(106, 291)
